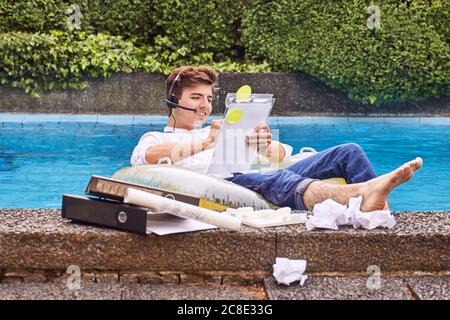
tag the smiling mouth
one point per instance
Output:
(201, 113)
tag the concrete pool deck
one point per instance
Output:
(37, 246)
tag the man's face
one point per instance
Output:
(199, 98)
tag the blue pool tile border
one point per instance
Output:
(110, 119)
(161, 119)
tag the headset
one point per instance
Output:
(172, 100)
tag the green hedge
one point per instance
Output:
(202, 25)
(408, 58)
(129, 19)
(32, 16)
(65, 60)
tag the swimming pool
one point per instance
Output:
(44, 156)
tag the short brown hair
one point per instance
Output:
(188, 77)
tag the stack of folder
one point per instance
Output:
(104, 206)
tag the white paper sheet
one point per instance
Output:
(266, 217)
(287, 271)
(164, 223)
(330, 214)
(231, 152)
(180, 209)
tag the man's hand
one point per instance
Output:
(213, 133)
(260, 138)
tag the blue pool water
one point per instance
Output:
(44, 156)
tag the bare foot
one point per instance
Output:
(376, 191)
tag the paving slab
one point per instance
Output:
(59, 291)
(102, 291)
(430, 287)
(338, 288)
(315, 288)
(191, 292)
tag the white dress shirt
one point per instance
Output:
(197, 162)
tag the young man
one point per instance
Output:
(189, 97)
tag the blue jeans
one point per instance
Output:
(286, 187)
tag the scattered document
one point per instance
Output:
(164, 223)
(266, 217)
(180, 209)
(287, 271)
(330, 214)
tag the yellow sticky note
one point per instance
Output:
(234, 115)
(243, 93)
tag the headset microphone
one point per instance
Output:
(172, 104)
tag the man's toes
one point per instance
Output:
(417, 163)
(409, 173)
(399, 174)
(402, 174)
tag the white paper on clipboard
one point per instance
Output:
(231, 153)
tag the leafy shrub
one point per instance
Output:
(201, 25)
(408, 58)
(170, 56)
(127, 18)
(32, 15)
(66, 60)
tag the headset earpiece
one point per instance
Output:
(170, 96)
(174, 99)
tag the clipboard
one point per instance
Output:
(231, 153)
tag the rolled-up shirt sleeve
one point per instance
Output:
(148, 140)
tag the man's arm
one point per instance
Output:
(176, 151)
